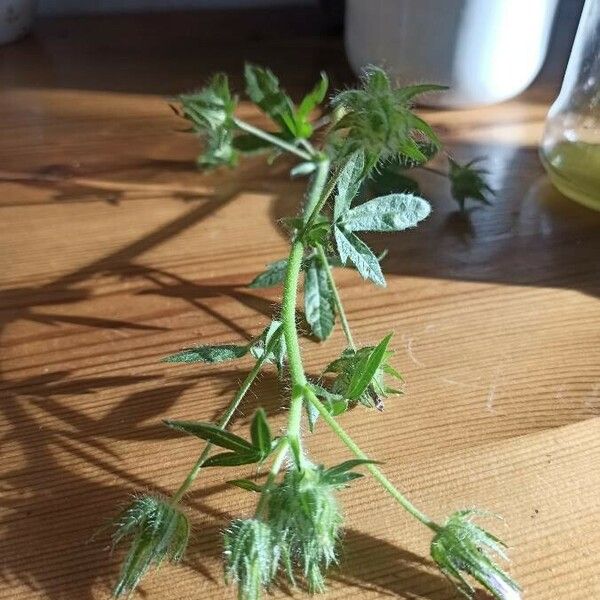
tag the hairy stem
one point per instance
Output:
(336, 297)
(387, 485)
(288, 315)
(317, 185)
(272, 139)
(226, 417)
(280, 454)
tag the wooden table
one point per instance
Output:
(115, 251)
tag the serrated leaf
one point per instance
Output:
(232, 459)
(366, 369)
(348, 183)
(318, 300)
(262, 86)
(394, 212)
(213, 434)
(208, 354)
(260, 433)
(246, 484)
(353, 249)
(274, 275)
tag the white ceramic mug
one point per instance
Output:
(486, 51)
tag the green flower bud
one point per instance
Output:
(159, 531)
(251, 556)
(378, 120)
(460, 547)
(306, 518)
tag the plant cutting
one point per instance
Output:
(368, 140)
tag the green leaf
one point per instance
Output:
(271, 341)
(366, 369)
(405, 94)
(208, 354)
(263, 89)
(336, 404)
(394, 212)
(303, 127)
(232, 459)
(348, 465)
(318, 300)
(246, 484)
(342, 480)
(356, 251)
(210, 110)
(260, 433)
(213, 434)
(348, 183)
(274, 275)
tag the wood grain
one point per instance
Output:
(115, 251)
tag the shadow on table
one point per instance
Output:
(531, 235)
(50, 505)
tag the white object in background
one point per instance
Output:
(16, 17)
(486, 51)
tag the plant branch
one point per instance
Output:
(387, 485)
(336, 297)
(280, 454)
(288, 316)
(272, 139)
(226, 417)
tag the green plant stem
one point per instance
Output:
(272, 139)
(323, 197)
(226, 417)
(317, 184)
(387, 485)
(288, 315)
(336, 297)
(280, 454)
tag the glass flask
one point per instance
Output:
(570, 149)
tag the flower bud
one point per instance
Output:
(306, 517)
(251, 556)
(461, 547)
(159, 530)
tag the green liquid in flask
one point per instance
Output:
(574, 168)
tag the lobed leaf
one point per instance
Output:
(262, 86)
(274, 275)
(394, 212)
(318, 300)
(351, 248)
(348, 183)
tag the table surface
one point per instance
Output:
(115, 251)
